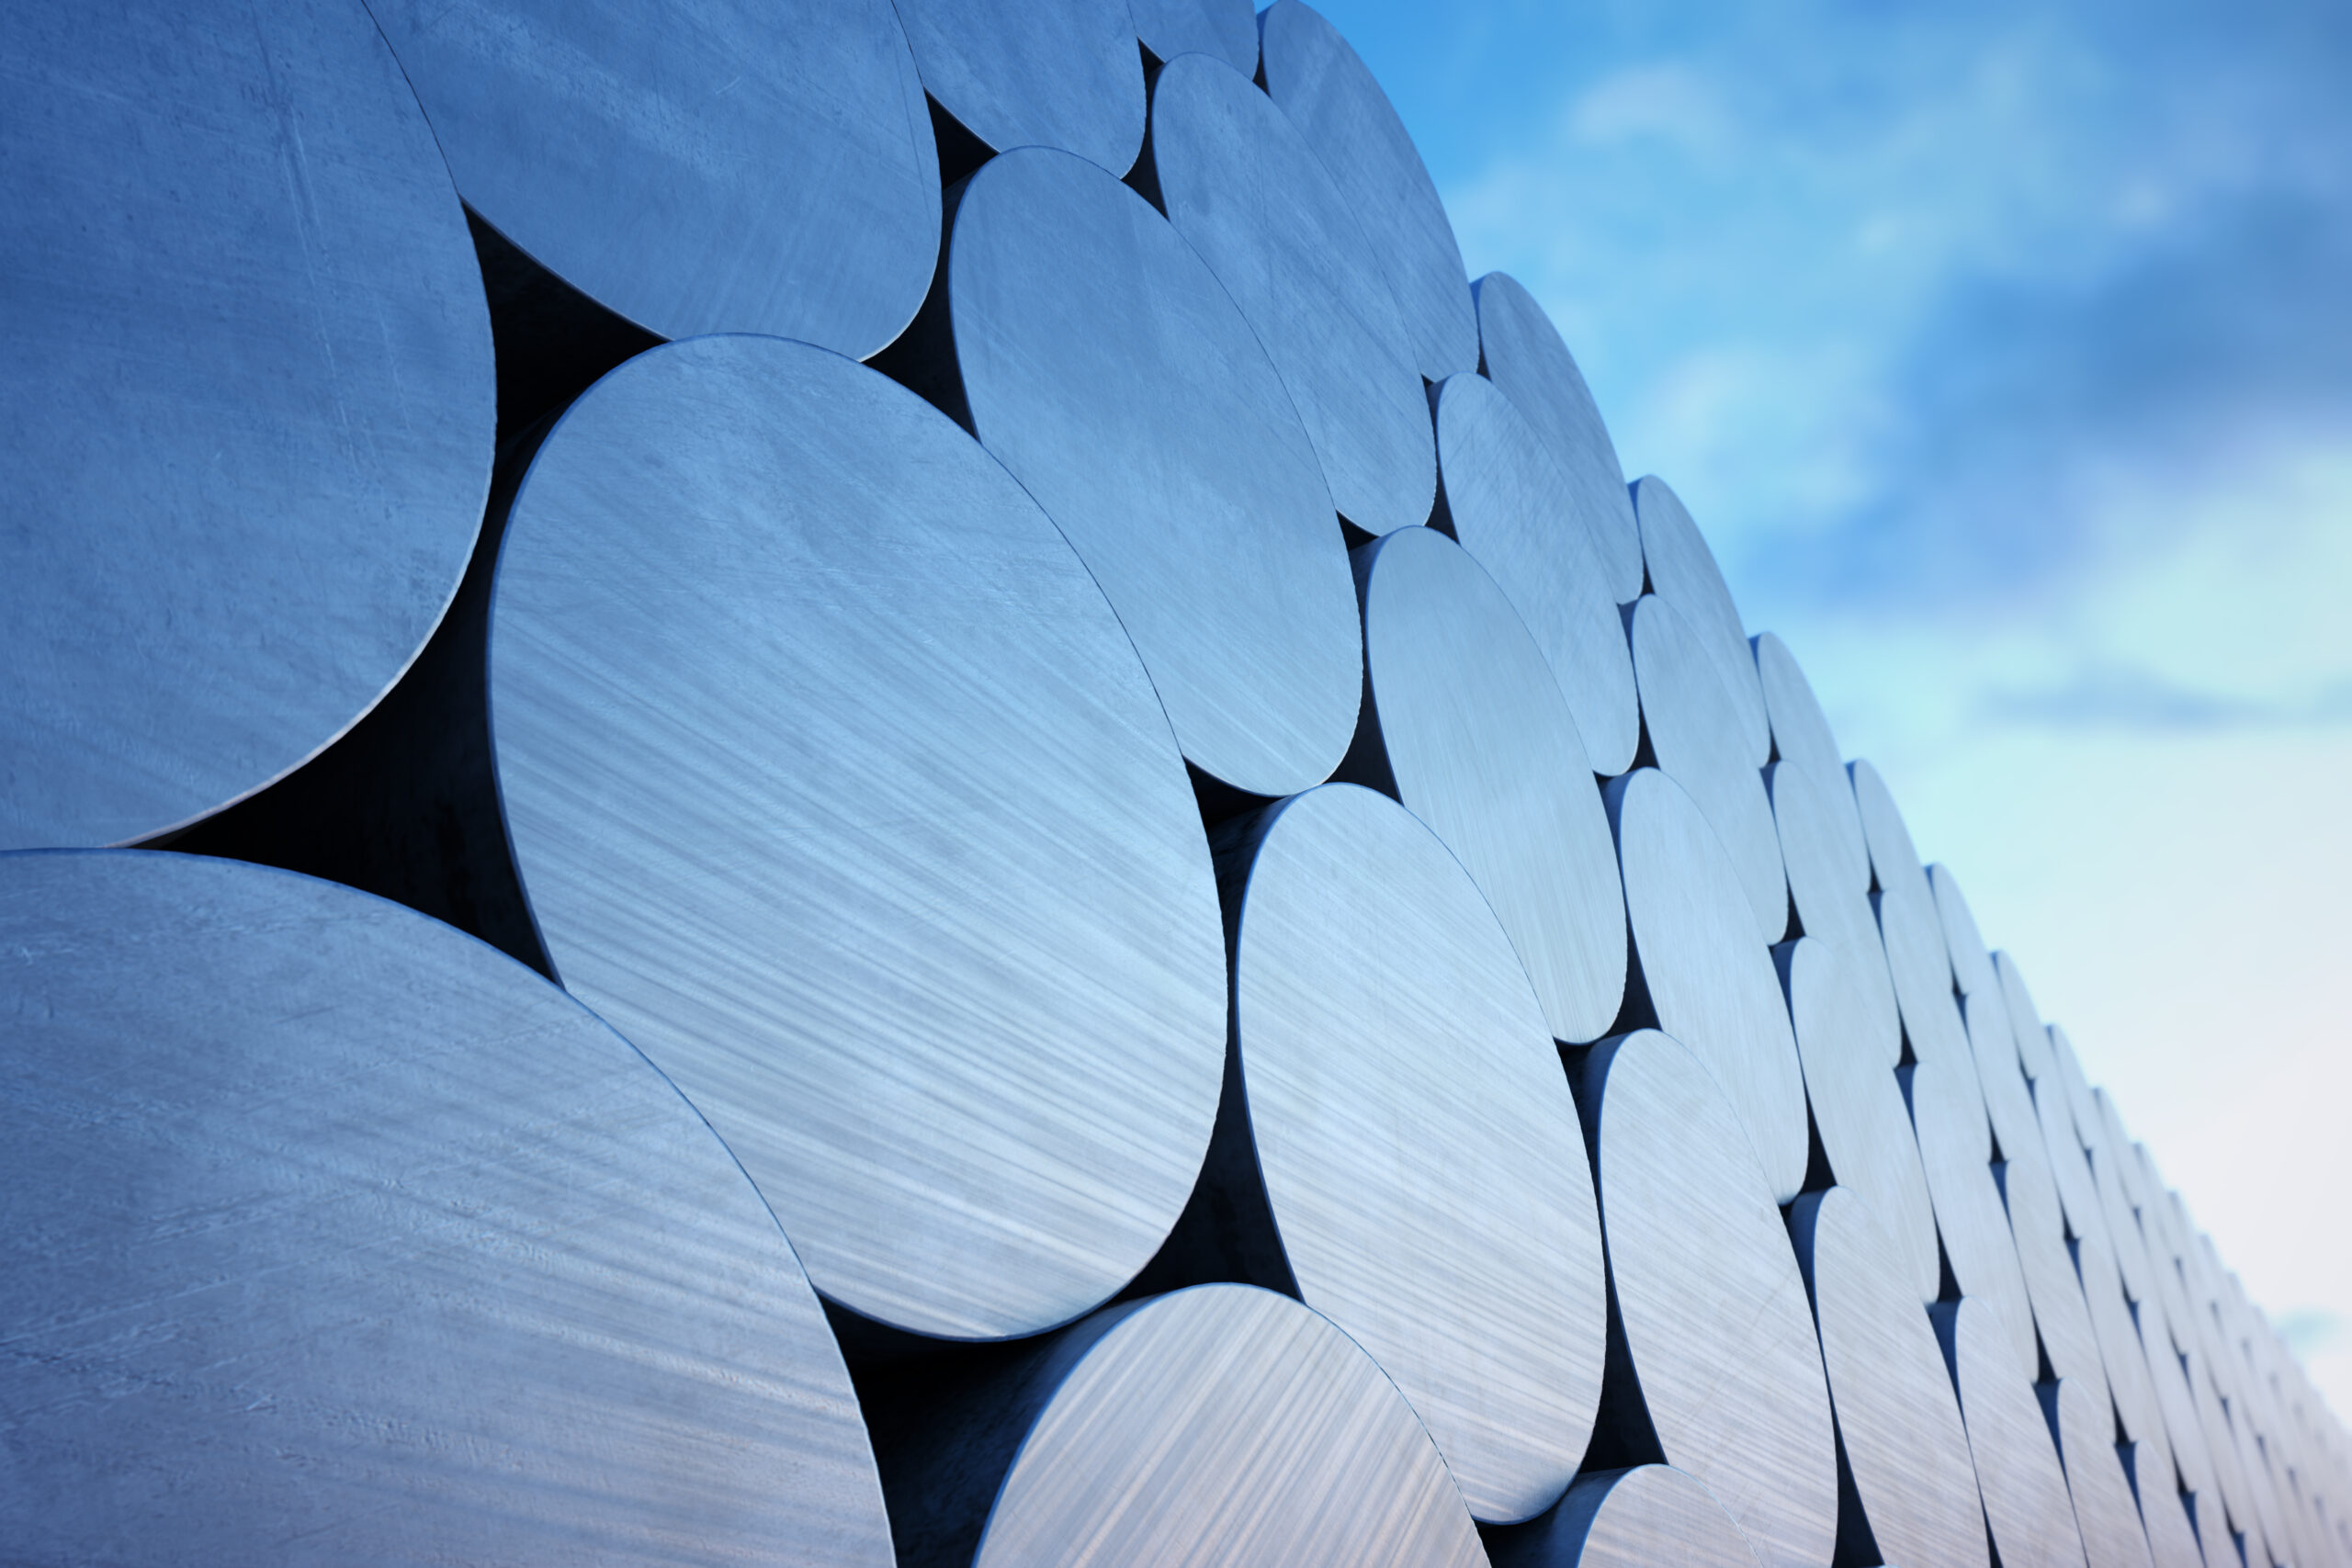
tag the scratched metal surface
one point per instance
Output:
(1317, 79)
(1241, 185)
(1507, 506)
(247, 384)
(1832, 903)
(1628, 1518)
(1956, 1152)
(1683, 572)
(1710, 979)
(1481, 746)
(1802, 736)
(2026, 1506)
(836, 786)
(1111, 372)
(335, 1235)
(1225, 1424)
(1060, 73)
(1916, 958)
(2105, 1509)
(1710, 1296)
(1897, 1420)
(1418, 1140)
(1972, 963)
(1227, 29)
(2025, 1020)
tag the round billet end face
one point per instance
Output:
(1628, 1519)
(1829, 905)
(2025, 1504)
(1060, 73)
(1802, 736)
(1956, 1155)
(1225, 28)
(1683, 572)
(2105, 1509)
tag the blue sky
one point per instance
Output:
(2005, 356)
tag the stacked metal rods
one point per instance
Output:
(1080, 884)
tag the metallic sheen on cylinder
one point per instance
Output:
(1628, 1518)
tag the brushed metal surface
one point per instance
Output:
(1683, 572)
(1227, 29)
(1628, 1518)
(1480, 745)
(1418, 1140)
(332, 1235)
(1711, 983)
(1955, 1152)
(1710, 1297)
(1522, 351)
(1859, 1111)
(835, 785)
(694, 167)
(2119, 1351)
(2080, 1101)
(1802, 736)
(1109, 370)
(1912, 933)
(1226, 1425)
(2027, 1509)
(1060, 74)
(1897, 1420)
(2184, 1431)
(2025, 1021)
(247, 382)
(1693, 731)
(2105, 1510)
(1833, 905)
(1243, 188)
(1316, 79)
(1972, 963)
(1506, 502)
(2164, 1517)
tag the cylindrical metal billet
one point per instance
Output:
(695, 168)
(1060, 73)
(1859, 1111)
(2107, 1517)
(334, 1234)
(1464, 721)
(1520, 349)
(1897, 1422)
(1628, 1518)
(1801, 735)
(247, 383)
(1694, 733)
(1972, 965)
(2164, 1517)
(1241, 185)
(2025, 1022)
(2026, 1506)
(2080, 1101)
(1316, 79)
(1407, 1112)
(2184, 1432)
(1917, 960)
(836, 786)
(1829, 907)
(1225, 28)
(1107, 367)
(1709, 980)
(1956, 1152)
(1709, 1297)
(1683, 572)
(2119, 1350)
(1506, 502)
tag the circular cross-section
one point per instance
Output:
(748, 166)
(1683, 572)
(2112, 1534)
(1972, 965)
(2025, 1020)
(247, 384)
(1905, 1444)
(1110, 371)
(1417, 1139)
(1956, 1154)
(1858, 1107)
(1828, 906)
(1801, 735)
(834, 785)
(1505, 499)
(1316, 79)
(1520, 349)
(1034, 73)
(1241, 185)
(1481, 747)
(1225, 28)
(329, 1225)
(1917, 960)
(1694, 731)
(1628, 1518)
(1709, 979)
(1709, 1295)
(1226, 1424)
(2026, 1506)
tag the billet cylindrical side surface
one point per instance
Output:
(1694, 732)
(1317, 79)
(1709, 979)
(1801, 734)
(2105, 1510)
(1226, 1425)
(1522, 351)
(1858, 1109)
(1904, 1445)
(1832, 905)
(1060, 73)
(1480, 745)
(1417, 1139)
(2026, 1506)
(1505, 501)
(802, 200)
(1628, 1518)
(1227, 29)
(836, 786)
(248, 387)
(1110, 371)
(1710, 1297)
(1243, 188)
(334, 1232)
(1955, 1153)
(1683, 572)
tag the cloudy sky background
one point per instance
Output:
(2004, 356)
